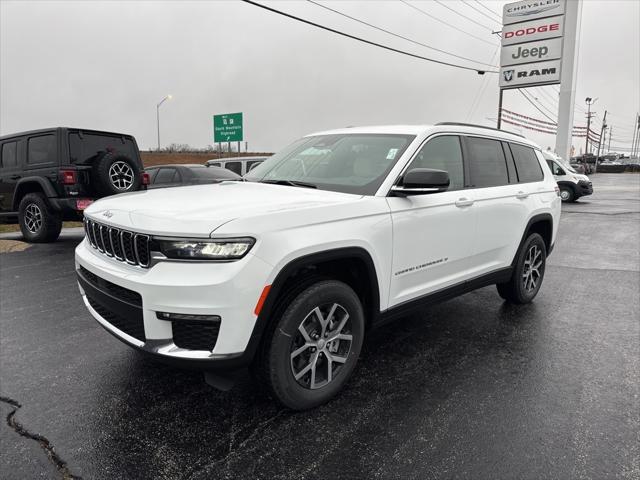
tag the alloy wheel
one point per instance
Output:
(531, 271)
(321, 346)
(121, 175)
(33, 218)
(564, 194)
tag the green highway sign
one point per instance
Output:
(227, 127)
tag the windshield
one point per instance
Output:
(566, 166)
(350, 163)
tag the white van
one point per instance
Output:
(573, 185)
(239, 165)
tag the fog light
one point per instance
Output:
(183, 316)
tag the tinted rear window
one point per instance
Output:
(527, 164)
(213, 172)
(235, 167)
(166, 175)
(9, 154)
(86, 147)
(41, 149)
(486, 163)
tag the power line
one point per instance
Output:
(547, 109)
(448, 24)
(489, 10)
(483, 86)
(369, 42)
(536, 107)
(475, 22)
(481, 12)
(399, 36)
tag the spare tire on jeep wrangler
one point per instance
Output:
(115, 173)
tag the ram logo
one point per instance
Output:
(535, 73)
(508, 75)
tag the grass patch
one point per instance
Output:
(4, 228)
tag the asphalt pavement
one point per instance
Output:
(472, 388)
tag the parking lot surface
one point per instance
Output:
(471, 388)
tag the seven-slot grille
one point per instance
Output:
(122, 245)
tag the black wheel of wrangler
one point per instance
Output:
(115, 173)
(528, 273)
(310, 354)
(38, 222)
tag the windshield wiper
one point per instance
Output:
(291, 183)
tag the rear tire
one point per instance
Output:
(310, 353)
(528, 272)
(38, 222)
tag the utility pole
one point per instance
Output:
(610, 133)
(589, 101)
(600, 140)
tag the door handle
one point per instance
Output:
(522, 194)
(15, 177)
(464, 202)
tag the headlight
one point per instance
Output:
(214, 249)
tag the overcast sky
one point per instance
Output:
(105, 65)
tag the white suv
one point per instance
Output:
(341, 231)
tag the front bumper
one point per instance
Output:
(584, 188)
(125, 300)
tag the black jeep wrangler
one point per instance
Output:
(50, 176)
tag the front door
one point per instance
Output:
(432, 233)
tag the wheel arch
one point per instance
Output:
(571, 185)
(352, 265)
(541, 224)
(32, 185)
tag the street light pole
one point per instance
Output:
(168, 97)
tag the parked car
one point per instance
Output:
(572, 184)
(583, 164)
(287, 272)
(48, 176)
(239, 165)
(189, 174)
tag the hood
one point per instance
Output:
(200, 209)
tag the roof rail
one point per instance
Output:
(459, 124)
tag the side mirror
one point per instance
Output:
(419, 181)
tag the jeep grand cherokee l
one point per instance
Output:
(339, 232)
(48, 176)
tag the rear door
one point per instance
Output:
(500, 201)
(432, 233)
(10, 172)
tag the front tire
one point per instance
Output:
(567, 195)
(314, 347)
(528, 273)
(38, 222)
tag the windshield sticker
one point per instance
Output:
(392, 153)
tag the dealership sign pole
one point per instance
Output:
(539, 48)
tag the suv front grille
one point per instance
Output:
(122, 245)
